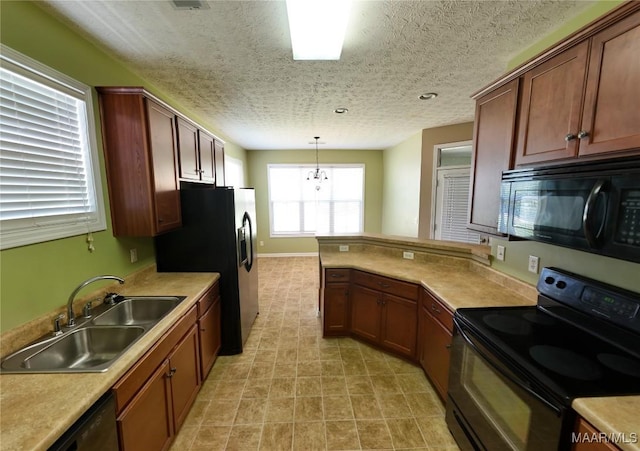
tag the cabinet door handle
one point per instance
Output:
(202, 329)
(435, 309)
(569, 137)
(172, 372)
(583, 134)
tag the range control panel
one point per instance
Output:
(590, 296)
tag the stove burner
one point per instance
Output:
(620, 364)
(566, 363)
(507, 324)
(539, 319)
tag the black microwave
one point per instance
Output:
(594, 207)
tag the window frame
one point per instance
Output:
(311, 167)
(22, 232)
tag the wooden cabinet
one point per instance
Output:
(219, 162)
(154, 397)
(383, 311)
(586, 434)
(139, 140)
(209, 317)
(334, 302)
(583, 101)
(493, 138)
(435, 331)
(196, 150)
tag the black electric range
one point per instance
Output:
(582, 339)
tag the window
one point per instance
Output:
(297, 208)
(233, 172)
(49, 172)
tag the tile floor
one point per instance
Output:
(293, 390)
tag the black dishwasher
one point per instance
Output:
(94, 431)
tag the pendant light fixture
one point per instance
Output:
(318, 176)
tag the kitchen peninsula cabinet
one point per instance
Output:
(383, 311)
(435, 332)
(334, 305)
(139, 139)
(584, 101)
(154, 397)
(493, 138)
(209, 317)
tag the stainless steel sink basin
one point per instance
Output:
(86, 348)
(137, 310)
(94, 344)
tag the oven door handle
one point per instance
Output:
(502, 372)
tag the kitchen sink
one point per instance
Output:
(95, 343)
(137, 310)
(83, 349)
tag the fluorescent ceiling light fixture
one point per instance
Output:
(317, 28)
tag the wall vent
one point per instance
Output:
(189, 4)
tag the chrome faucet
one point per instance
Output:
(71, 321)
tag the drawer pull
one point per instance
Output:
(383, 285)
(172, 372)
(337, 276)
(435, 309)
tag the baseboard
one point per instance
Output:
(291, 254)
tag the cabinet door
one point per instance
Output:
(336, 309)
(209, 331)
(188, 150)
(163, 155)
(422, 339)
(493, 138)
(147, 422)
(185, 376)
(550, 108)
(365, 312)
(435, 352)
(207, 157)
(611, 110)
(219, 162)
(399, 324)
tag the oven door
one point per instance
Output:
(490, 407)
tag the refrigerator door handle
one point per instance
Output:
(246, 220)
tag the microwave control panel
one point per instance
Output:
(628, 230)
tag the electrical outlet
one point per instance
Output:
(533, 263)
(261, 243)
(133, 253)
(500, 253)
(407, 255)
(344, 248)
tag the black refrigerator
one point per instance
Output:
(218, 234)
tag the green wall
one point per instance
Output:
(257, 163)
(401, 188)
(613, 271)
(37, 279)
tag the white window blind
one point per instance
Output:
(453, 200)
(48, 187)
(297, 208)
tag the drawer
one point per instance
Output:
(386, 285)
(137, 376)
(336, 275)
(208, 299)
(437, 309)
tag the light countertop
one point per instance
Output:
(36, 409)
(460, 282)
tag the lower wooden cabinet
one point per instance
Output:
(435, 331)
(154, 397)
(335, 309)
(209, 329)
(586, 435)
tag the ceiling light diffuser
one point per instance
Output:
(317, 28)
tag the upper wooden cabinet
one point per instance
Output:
(139, 139)
(196, 151)
(493, 136)
(219, 162)
(583, 101)
(206, 152)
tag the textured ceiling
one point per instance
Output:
(231, 64)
